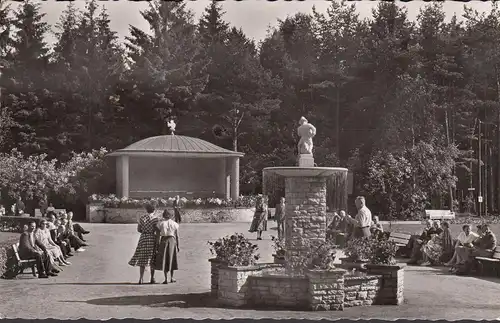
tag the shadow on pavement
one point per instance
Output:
(193, 300)
(91, 284)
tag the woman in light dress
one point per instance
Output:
(439, 246)
(54, 252)
(168, 246)
(463, 247)
(259, 222)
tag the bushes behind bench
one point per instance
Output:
(15, 223)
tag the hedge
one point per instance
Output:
(15, 223)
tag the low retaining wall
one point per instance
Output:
(318, 290)
(97, 213)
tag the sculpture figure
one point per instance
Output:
(306, 132)
(171, 125)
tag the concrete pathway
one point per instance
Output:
(100, 285)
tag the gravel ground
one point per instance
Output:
(100, 285)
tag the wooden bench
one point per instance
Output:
(493, 262)
(401, 240)
(23, 263)
(439, 215)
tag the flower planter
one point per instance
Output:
(279, 259)
(326, 289)
(98, 213)
(392, 290)
(233, 287)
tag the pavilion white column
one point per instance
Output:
(227, 178)
(235, 177)
(122, 176)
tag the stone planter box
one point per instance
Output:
(361, 290)
(326, 289)
(233, 287)
(97, 213)
(392, 287)
(279, 259)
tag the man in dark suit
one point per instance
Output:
(31, 248)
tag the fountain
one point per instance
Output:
(306, 199)
(305, 227)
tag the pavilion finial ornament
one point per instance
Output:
(171, 126)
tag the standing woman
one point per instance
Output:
(177, 209)
(166, 258)
(145, 252)
(259, 222)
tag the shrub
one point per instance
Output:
(358, 249)
(235, 250)
(278, 246)
(323, 257)
(383, 252)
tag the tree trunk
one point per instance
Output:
(498, 140)
(450, 187)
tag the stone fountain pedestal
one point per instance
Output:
(305, 220)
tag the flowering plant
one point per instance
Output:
(278, 245)
(323, 257)
(112, 201)
(383, 252)
(235, 250)
(359, 249)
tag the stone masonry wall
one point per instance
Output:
(326, 290)
(392, 287)
(233, 284)
(214, 276)
(361, 290)
(305, 218)
(279, 291)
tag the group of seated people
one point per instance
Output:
(52, 243)
(343, 227)
(436, 246)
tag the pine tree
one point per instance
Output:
(167, 70)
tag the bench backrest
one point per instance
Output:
(400, 238)
(439, 214)
(496, 253)
(15, 247)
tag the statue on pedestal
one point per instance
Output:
(306, 132)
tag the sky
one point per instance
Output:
(253, 16)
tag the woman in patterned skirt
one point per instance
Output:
(145, 252)
(259, 222)
(166, 258)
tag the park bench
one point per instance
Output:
(23, 263)
(439, 215)
(401, 240)
(492, 262)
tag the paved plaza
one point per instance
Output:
(100, 285)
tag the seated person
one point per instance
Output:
(440, 246)
(333, 227)
(2, 210)
(51, 222)
(67, 233)
(77, 228)
(51, 210)
(32, 248)
(484, 245)
(64, 244)
(53, 250)
(416, 242)
(463, 247)
(376, 228)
